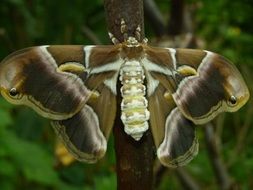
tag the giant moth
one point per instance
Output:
(165, 90)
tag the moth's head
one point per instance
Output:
(237, 92)
(10, 77)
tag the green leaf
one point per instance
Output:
(7, 168)
(5, 119)
(35, 163)
(107, 182)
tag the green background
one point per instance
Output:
(27, 142)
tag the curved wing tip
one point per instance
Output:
(174, 163)
(179, 161)
(91, 158)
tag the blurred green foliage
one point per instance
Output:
(27, 142)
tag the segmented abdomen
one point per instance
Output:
(134, 112)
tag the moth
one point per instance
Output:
(166, 90)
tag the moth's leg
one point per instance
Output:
(123, 29)
(138, 33)
(113, 39)
(180, 143)
(145, 40)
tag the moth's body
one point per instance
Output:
(130, 68)
(134, 112)
(163, 89)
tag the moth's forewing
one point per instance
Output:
(39, 84)
(216, 87)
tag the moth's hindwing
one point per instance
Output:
(32, 77)
(180, 143)
(81, 135)
(85, 135)
(159, 109)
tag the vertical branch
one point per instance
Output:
(154, 17)
(187, 181)
(129, 10)
(134, 158)
(175, 26)
(221, 173)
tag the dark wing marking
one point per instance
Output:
(85, 135)
(81, 135)
(203, 96)
(180, 143)
(34, 74)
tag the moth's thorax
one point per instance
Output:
(132, 52)
(134, 112)
(132, 49)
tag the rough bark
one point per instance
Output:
(154, 17)
(129, 10)
(175, 26)
(134, 158)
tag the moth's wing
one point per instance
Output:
(180, 144)
(81, 135)
(158, 66)
(104, 63)
(85, 135)
(203, 83)
(159, 109)
(32, 77)
(216, 87)
(174, 136)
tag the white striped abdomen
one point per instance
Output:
(134, 112)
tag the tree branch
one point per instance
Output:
(154, 16)
(186, 179)
(134, 158)
(91, 35)
(220, 171)
(129, 10)
(175, 26)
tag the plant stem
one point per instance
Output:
(134, 158)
